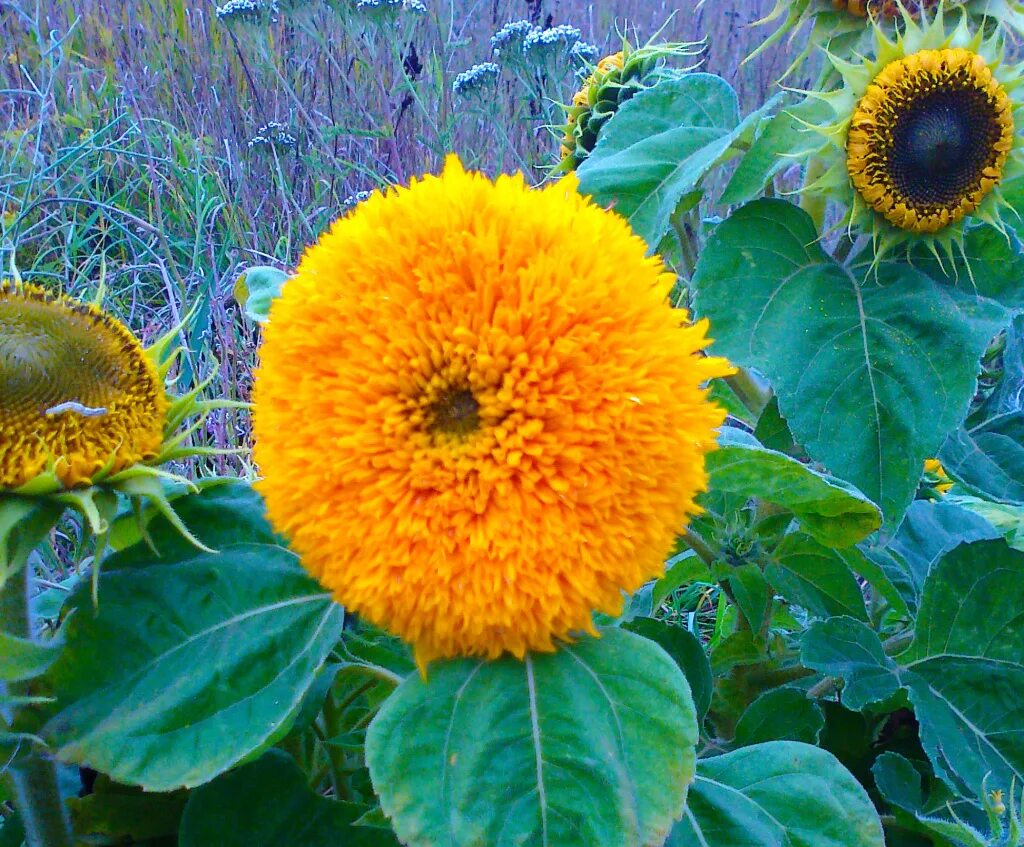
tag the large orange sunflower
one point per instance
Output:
(477, 416)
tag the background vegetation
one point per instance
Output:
(131, 151)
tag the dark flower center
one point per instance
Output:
(941, 145)
(457, 413)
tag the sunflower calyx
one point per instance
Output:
(846, 27)
(610, 83)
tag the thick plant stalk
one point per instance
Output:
(32, 775)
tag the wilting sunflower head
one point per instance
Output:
(477, 416)
(925, 132)
(78, 394)
(614, 80)
(83, 409)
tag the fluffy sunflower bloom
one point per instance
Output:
(83, 407)
(614, 80)
(477, 416)
(924, 134)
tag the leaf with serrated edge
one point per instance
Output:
(778, 794)
(188, 666)
(833, 511)
(658, 147)
(592, 744)
(870, 374)
(964, 671)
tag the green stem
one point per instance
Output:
(33, 775)
(334, 726)
(813, 204)
(699, 546)
(751, 393)
(679, 221)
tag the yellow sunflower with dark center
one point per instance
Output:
(77, 391)
(925, 133)
(930, 138)
(478, 417)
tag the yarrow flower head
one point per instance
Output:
(480, 433)
(583, 54)
(248, 11)
(509, 39)
(83, 405)
(353, 200)
(476, 80)
(924, 134)
(273, 134)
(554, 42)
(610, 83)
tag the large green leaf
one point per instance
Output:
(593, 744)
(848, 648)
(816, 577)
(871, 374)
(659, 146)
(783, 714)
(929, 531)
(779, 794)
(686, 650)
(187, 666)
(831, 510)
(992, 266)
(268, 803)
(771, 150)
(988, 459)
(964, 671)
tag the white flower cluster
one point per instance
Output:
(559, 39)
(522, 41)
(583, 53)
(476, 79)
(510, 37)
(273, 134)
(248, 11)
(414, 6)
(353, 200)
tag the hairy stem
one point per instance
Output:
(751, 393)
(32, 774)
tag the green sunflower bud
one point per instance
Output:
(612, 81)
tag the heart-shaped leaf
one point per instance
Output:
(659, 146)
(871, 374)
(593, 744)
(188, 666)
(779, 794)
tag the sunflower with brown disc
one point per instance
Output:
(925, 132)
(83, 408)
